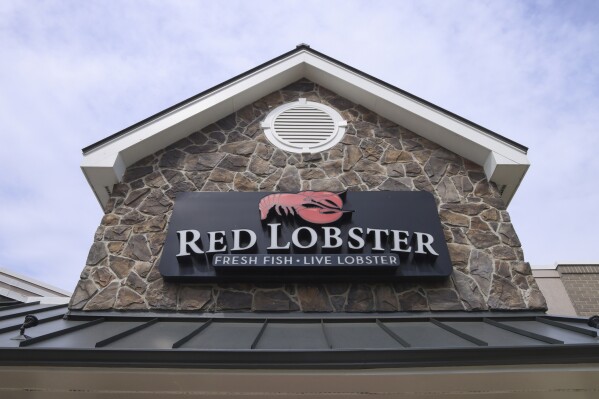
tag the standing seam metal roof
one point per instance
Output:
(239, 340)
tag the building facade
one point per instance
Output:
(302, 230)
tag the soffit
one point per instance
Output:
(505, 162)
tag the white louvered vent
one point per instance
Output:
(304, 127)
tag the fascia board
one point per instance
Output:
(424, 120)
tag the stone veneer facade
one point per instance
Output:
(375, 154)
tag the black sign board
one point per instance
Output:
(306, 236)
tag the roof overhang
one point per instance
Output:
(505, 162)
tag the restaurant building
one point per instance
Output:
(302, 230)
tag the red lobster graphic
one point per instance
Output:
(320, 207)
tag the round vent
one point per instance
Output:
(304, 127)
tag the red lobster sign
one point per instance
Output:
(319, 207)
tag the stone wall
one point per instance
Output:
(233, 155)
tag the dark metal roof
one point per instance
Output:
(292, 341)
(301, 47)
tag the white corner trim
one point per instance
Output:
(503, 163)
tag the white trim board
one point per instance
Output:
(503, 163)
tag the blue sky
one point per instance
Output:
(75, 72)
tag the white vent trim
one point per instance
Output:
(304, 127)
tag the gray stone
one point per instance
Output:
(104, 299)
(102, 276)
(365, 165)
(203, 161)
(273, 301)
(129, 299)
(244, 182)
(352, 156)
(462, 184)
(161, 295)
(261, 167)
(505, 295)
(413, 169)
(96, 253)
(132, 217)
(453, 219)
(508, 235)
(477, 223)
(117, 233)
(535, 300)
(522, 268)
(270, 182)
(459, 254)
(235, 163)
(482, 239)
(422, 183)
(372, 180)
(349, 140)
(350, 178)
(337, 288)
(468, 291)
(133, 173)
(333, 168)
(393, 155)
(447, 191)
(155, 224)
(385, 299)
(136, 196)
(221, 175)
(396, 170)
(110, 220)
(412, 301)
(333, 185)
(244, 148)
(443, 299)
(156, 241)
(481, 269)
(371, 150)
(279, 159)
(155, 203)
(435, 169)
(84, 290)
(470, 209)
(360, 299)
(172, 159)
(198, 178)
(115, 247)
(290, 181)
(396, 184)
(312, 173)
(233, 300)
(142, 268)
(264, 151)
(120, 266)
(137, 248)
(338, 303)
(135, 283)
(195, 298)
(313, 298)
(504, 252)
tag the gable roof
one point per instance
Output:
(504, 161)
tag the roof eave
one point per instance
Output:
(505, 161)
